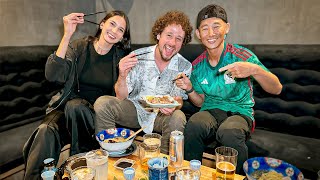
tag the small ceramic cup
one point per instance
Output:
(129, 173)
(195, 164)
(48, 175)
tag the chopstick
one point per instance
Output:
(128, 138)
(174, 80)
(142, 53)
(91, 22)
(95, 13)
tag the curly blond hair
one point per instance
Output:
(173, 17)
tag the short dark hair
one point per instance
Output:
(173, 17)
(210, 11)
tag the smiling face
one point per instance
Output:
(113, 29)
(170, 41)
(211, 32)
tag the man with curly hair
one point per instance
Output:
(150, 74)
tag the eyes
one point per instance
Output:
(114, 24)
(214, 28)
(170, 36)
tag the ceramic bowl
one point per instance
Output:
(258, 166)
(103, 136)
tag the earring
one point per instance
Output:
(225, 36)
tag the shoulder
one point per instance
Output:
(199, 59)
(79, 45)
(239, 52)
(182, 59)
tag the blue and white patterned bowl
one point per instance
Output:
(254, 167)
(112, 133)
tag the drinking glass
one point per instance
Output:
(83, 173)
(147, 152)
(129, 173)
(98, 159)
(158, 168)
(48, 175)
(152, 139)
(226, 163)
(185, 173)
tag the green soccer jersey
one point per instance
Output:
(220, 90)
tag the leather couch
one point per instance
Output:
(287, 125)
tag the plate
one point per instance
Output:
(131, 149)
(160, 105)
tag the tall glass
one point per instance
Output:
(98, 159)
(152, 139)
(226, 163)
(147, 152)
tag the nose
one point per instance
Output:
(172, 42)
(211, 31)
(114, 30)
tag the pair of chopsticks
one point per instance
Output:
(90, 14)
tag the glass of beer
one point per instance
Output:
(147, 152)
(226, 163)
(152, 139)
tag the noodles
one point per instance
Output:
(114, 140)
(266, 175)
(271, 175)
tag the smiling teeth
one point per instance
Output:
(111, 36)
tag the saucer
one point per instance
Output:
(131, 149)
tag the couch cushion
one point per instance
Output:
(24, 92)
(12, 142)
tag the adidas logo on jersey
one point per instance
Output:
(204, 81)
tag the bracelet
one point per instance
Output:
(189, 91)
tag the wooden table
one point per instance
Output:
(206, 172)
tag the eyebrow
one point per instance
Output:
(215, 23)
(117, 24)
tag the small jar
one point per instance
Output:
(49, 164)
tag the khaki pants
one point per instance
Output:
(111, 111)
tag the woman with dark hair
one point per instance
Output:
(87, 68)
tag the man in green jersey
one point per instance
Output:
(221, 84)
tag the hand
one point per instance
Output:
(167, 111)
(126, 64)
(184, 83)
(240, 69)
(70, 23)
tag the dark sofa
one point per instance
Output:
(287, 126)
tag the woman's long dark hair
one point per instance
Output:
(125, 43)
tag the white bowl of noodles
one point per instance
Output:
(261, 168)
(113, 140)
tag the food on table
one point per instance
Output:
(266, 175)
(114, 140)
(160, 100)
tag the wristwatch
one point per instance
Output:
(190, 91)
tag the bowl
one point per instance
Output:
(270, 167)
(104, 137)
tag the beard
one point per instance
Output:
(164, 58)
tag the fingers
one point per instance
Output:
(227, 67)
(74, 18)
(128, 62)
(167, 111)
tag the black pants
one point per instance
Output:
(228, 129)
(72, 125)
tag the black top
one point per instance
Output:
(96, 76)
